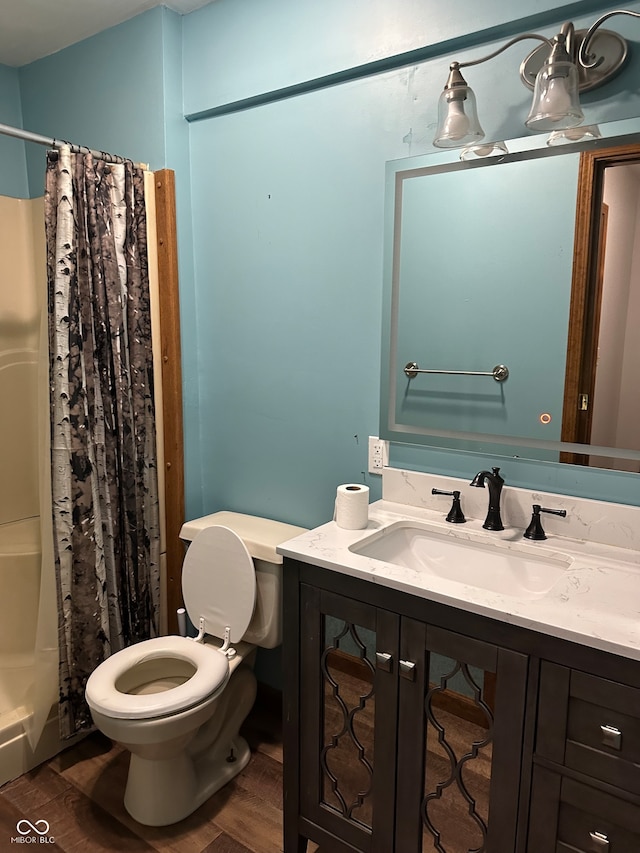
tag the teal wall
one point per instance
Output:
(287, 201)
(235, 51)
(13, 164)
(281, 212)
(177, 157)
(106, 92)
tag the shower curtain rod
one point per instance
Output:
(27, 136)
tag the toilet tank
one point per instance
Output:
(261, 536)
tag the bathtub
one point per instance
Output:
(19, 596)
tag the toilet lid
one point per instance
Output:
(210, 676)
(219, 582)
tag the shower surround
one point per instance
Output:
(22, 294)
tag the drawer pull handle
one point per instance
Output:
(611, 736)
(599, 842)
(408, 669)
(384, 661)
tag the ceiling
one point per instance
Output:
(31, 29)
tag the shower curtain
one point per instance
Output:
(103, 442)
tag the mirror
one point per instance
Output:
(492, 263)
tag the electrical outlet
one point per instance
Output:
(378, 454)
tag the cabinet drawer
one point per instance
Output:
(568, 816)
(603, 731)
(595, 730)
(591, 821)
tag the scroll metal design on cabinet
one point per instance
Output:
(348, 675)
(454, 737)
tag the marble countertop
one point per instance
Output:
(596, 602)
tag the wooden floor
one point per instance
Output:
(79, 793)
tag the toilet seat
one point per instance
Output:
(211, 675)
(219, 583)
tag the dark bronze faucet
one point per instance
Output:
(495, 481)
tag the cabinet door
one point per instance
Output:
(348, 711)
(461, 724)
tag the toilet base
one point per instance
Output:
(172, 801)
(215, 773)
(165, 790)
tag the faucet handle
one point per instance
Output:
(455, 516)
(534, 530)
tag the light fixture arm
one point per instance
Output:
(455, 77)
(501, 49)
(569, 32)
(586, 59)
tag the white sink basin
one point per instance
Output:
(507, 568)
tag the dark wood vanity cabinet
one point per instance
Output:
(401, 734)
(410, 726)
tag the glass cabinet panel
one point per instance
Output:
(459, 745)
(347, 756)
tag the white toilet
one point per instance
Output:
(177, 703)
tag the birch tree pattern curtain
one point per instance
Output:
(104, 471)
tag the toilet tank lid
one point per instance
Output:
(260, 535)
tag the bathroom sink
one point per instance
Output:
(507, 568)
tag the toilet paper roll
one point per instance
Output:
(352, 506)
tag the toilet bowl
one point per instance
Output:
(177, 703)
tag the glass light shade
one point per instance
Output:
(556, 104)
(574, 134)
(483, 149)
(458, 123)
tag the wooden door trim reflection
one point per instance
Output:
(455, 703)
(584, 308)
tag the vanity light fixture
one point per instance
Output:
(557, 70)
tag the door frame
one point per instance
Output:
(586, 292)
(170, 353)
